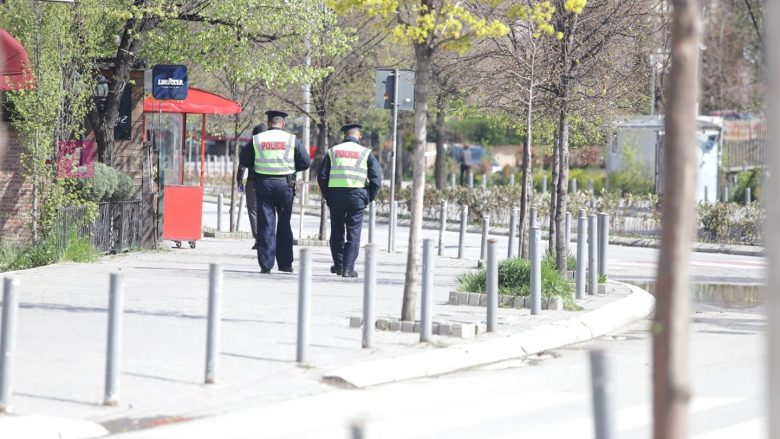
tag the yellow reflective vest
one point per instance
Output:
(348, 165)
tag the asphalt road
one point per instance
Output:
(546, 396)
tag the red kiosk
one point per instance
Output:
(180, 198)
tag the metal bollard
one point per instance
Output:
(544, 183)
(393, 224)
(442, 226)
(748, 195)
(357, 430)
(452, 180)
(706, 195)
(603, 234)
(485, 232)
(113, 345)
(510, 251)
(536, 270)
(484, 181)
(369, 286)
(464, 219)
(532, 217)
(492, 286)
(581, 255)
(7, 341)
(426, 322)
(573, 184)
(304, 295)
(471, 179)
(371, 221)
(240, 211)
(512, 179)
(220, 200)
(592, 255)
(214, 321)
(726, 194)
(567, 229)
(602, 390)
(590, 187)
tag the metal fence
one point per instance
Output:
(744, 154)
(116, 227)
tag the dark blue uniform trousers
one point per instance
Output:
(274, 235)
(349, 221)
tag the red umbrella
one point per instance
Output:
(15, 71)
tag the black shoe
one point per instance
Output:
(335, 269)
(254, 246)
(349, 273)
(265, 270)
(286, 270)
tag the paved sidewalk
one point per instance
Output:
(59, 362)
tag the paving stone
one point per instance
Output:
(407, 326)
(394, 325)
(453, 298)
(555, 304)
(480, 328)
(463, 298)
(355, 322)
(505, 300)
(435, 328)
(463, 330)
(483, 300)
(519, 302)
(381, 324)
(474, 299)
(445, 329)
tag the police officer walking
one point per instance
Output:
(275, 159)
(246, 155)
(349, 179)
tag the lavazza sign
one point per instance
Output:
(169, 81)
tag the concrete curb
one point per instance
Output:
(49, 427)
(639, 304)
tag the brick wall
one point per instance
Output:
(15, 194)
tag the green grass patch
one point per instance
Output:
(15, 257)
(514, 279)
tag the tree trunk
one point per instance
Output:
(322, 141)
(423, 55)
(526, 179)
(563, 180)
(772, 225)
(440, 170)
(671, 380)
(234, 174)
(554, 195)
(399, 164)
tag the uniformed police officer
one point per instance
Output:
(349, 179)
(246, 155)
(276, 156)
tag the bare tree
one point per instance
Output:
(671, 380)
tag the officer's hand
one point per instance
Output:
(241, 187)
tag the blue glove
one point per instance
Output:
(241, 187)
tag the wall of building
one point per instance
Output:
(16, 200)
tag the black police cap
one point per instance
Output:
(258, 129)
(351, 126)
(274, 113)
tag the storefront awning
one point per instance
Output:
(15, 71)
(198, 102)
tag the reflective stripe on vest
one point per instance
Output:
(348, 165)
(274, 152)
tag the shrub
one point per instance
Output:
(78, 249)
(629, 182)
(748, 179)
(514, 278)
(124, 188)
(571, 261)
(108, 184)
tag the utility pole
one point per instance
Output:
(671, 367)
